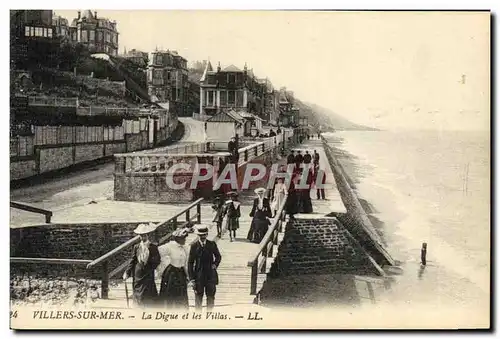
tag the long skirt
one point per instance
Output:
(305, 203)
(233, 224)
(173, 290)
(258, 230)
(144, 287)
(291, 203)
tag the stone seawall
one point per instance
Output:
(320, 246)
(73, 241)
(49, 158)
(356, 220)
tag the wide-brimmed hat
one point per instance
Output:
(232, 194)
(180, 233)
(145, 228)
(201, 230)
(260, 190)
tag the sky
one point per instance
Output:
(391, 70)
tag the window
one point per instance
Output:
(99, 36)
(91, 35)
(84, 36)
(239, 99)
(231, 98)
(158, 59)
(27, 31)
(157, 74)
(231, 78)
(38, 31)
(209, 98)
(50, 32)
(211, 79)
(107, 37)
(223, 98)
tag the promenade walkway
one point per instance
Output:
(234, 273)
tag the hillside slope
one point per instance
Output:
(327, 119)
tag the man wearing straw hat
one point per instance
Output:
(145, 259)
(204, 258)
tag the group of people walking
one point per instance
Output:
(177, 267)
(261, 212)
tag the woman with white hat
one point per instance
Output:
(260, 213)
(145, 259)
(174, 258)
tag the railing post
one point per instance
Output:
(198, 212)
(246, 155)
(256, 150)
(253, 279)
(174, 222)
(188, 215)
(105, 280)
(48, 217)
(264, 253)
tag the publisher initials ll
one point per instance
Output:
(255, 316)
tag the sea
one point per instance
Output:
(427, 187)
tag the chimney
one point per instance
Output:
(95, 14)
(79, 15)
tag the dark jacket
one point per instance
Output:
(201, 259)
(299, 158)
(143, 275)
(290, 159)
(264, 212)
(307, 158)
(316, 157)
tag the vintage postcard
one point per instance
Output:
(249, 169)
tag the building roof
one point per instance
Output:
(208, 68)
(232, 68)
(229, 116)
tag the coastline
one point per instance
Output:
(397, 221)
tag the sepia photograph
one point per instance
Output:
(250, 169)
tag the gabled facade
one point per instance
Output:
(167, 78)
(223, 89)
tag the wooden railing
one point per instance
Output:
(154, 161)
(258, 262)
(56, 261)
(33, 209)
(117, 111)
(163, 233)
(52, 101)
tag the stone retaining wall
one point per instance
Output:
(320, 246)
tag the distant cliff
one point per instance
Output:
(326, 118)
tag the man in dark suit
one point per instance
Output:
(307, 158)
(233, 149)
(204, 258)
(290, 159)
(299, 159)
(316, 158)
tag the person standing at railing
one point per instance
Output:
(204, 258)
(261, 212)
(145, 259)
(174, 273)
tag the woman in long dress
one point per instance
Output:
(292, 201)
(280, 193)
(260, 213)
(218, 207)
(145, 259)
(174, 258)
(232, 210)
